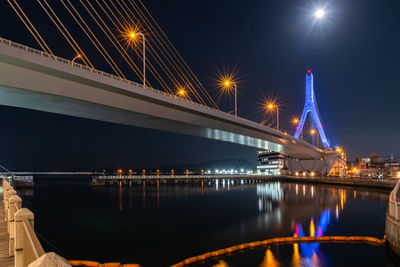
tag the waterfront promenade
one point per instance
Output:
(5, 260)
(387, 184)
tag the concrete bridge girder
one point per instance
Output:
(33, 81)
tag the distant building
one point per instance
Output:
(378, 167)
(376, 161)
(392, 169)
(270, 163)
(362, 163)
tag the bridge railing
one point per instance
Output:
(394, 202)
(78, 65)
(23, 242)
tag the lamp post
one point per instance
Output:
(271, 107)
(295, 122)
(312, 132)
(75, 58)
(133, 35)
(228, 84)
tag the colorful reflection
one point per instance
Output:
(221, 263)
(269, 260)
(304, 254)
(310, 255)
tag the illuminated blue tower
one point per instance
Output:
(310, 106)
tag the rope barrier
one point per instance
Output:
(283, 240)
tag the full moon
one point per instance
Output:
(319, 13)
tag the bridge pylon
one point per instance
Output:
(310, 106)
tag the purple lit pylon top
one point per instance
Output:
(310, 106)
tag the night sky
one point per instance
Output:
(353, 52)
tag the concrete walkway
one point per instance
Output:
(5, 260)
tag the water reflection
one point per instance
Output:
(129, 219)
(268, 195)
(327, 202)
(269, 260)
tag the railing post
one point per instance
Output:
(10, 192)
(6, 186)
(14, 205)
(20, 215)
(50, 259)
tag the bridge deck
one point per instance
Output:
(5, 260)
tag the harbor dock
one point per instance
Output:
(103, 180)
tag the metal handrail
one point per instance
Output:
(80, 66)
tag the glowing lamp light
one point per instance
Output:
(181, 92)
(295, 120)
(312, 131)
(132, 35)
(309, 71)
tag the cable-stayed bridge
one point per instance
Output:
(36, 80)
(114, 30)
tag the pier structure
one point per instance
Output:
(99, 180)
(237, 179)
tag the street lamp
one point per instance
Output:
(228, 85)
(313, 132)
(295, 122)
(75, 58)
(133, 36)
(271, 107)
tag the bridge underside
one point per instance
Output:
(35, 82)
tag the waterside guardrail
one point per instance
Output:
(23, 242)
(394, 203)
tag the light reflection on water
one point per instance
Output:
(303, 254)
(134, 222)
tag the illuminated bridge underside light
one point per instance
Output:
(310, 107)
(244, 140)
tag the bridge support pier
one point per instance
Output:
(329, 165)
